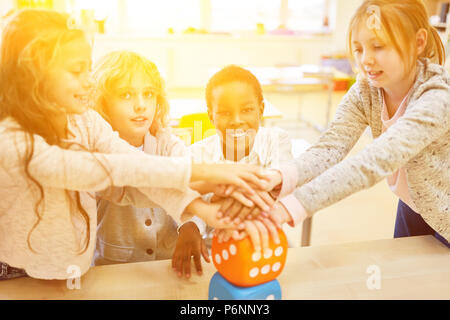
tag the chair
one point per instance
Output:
(198, 124)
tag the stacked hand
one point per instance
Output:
(258, 229)
(242, 205)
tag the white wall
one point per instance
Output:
(187, 60)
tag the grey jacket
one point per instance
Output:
(419, 141)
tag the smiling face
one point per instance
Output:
(379, 62)
(236, 113)
(132, 107)
(68, 81)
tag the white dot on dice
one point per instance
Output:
(278, 251)
(225, 254)
(276, 266)
(256, 256)
(254, 272)
(218, 260)
(233, 249)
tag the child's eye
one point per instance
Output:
(248, 110)
(125, 95)
(148, 94)
(357, 50)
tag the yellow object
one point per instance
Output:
(199, 125)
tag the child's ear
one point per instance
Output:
(210, 116)
(261, 109)
(421, 40)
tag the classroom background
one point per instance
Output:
(296, 48)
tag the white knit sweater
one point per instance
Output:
(59, 236)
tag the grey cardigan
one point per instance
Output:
(418, 141)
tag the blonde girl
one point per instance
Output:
(403, 94)
(55, 154)
(130, 95)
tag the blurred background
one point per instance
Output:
(296, 48)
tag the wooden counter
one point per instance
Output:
(410, 268)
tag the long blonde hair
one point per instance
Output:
(123, 65)
(399, 21)
(31, 42)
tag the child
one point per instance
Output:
(235, 107)
(130, 95)
(404, 96)
(55, 153)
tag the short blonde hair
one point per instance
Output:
(122, 66)
(400, 20)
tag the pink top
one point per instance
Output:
(398, 181)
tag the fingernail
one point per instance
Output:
(219, 214)
(241, 226)
(237, 221)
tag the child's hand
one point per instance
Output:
(189, 244)
(207, 212)
(239, 175)
(274, 179)
(279, 215)
(236, 212)
(259, 230)
(237, 199)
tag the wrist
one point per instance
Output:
(190, 210)
(287, 218)
(198, 172)
(275, 178)
(188, 226)
(294, 209)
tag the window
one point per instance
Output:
(307, 15)
(244, 15)
(240, 15)
(157, 16)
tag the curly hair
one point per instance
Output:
(123, 65)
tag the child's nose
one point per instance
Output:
(368, 58)
(88, 81)
(236, 119)
(139, 104)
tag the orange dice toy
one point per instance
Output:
(237, 262)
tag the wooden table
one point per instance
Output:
(410, 268)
